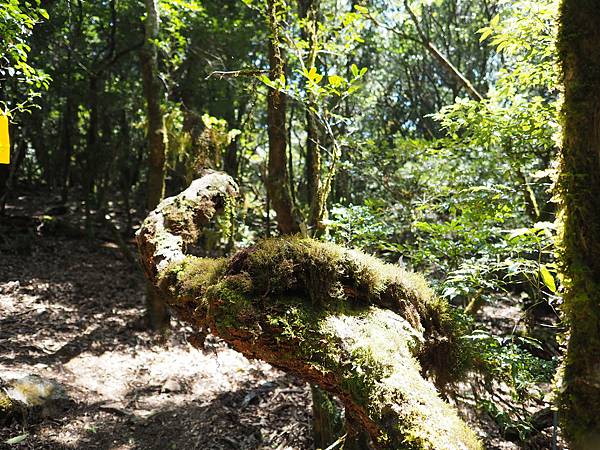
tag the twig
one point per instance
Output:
(341, 440)
(235, 73)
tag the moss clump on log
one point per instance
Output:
(359, 328)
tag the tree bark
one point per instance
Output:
(578, 187)
(153, 92)
(277, 182)
(359, 328)
(66, 145)
(309, 11)
(156, 312)
(91, 151)
(327, 421)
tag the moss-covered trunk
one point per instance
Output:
(579, 190)
(360, 329)
(156, 313)
(278, 184)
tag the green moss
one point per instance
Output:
(297, 281)
(189, 280)
(380, 372)
(225, 220)
(341, 316)
(578, 191)
(232, 289)
(232, 306)
(328, 273)
(336, 279)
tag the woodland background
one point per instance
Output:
(422, 132)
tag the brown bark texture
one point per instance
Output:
(277, 181)
(156, 313)
(153, 92)
(578, 188)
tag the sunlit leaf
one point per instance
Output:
(547, 278)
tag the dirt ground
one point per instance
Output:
(71, 310)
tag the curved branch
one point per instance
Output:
(361, 329)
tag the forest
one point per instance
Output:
(300, 224)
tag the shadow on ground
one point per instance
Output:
(70, 311)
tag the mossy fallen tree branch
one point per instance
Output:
(361, 329)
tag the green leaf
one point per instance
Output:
(547, 278)
(485, 33)
(495, 20)
(335, 80)
(17, 439)
(354, 69)
(265, 79)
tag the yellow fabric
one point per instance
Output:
(4, 140)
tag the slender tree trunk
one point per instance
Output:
(8, 178)
(277, 182)
(66, 144)
(231, 158)
(91, 152)
(318, 187)
(579, 189)
(327, 421)
(444, 62)
(153, 92)
(157, 314)
(309, 10)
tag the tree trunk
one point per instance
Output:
(153, 92)
(66, 145)
(156, 312)
(309, 11)
(7, 181)
(361, 329)
(327, 421)
(444, 62)
(277, 182)
(91, 152)
(579, 189)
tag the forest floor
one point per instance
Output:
(71, 311)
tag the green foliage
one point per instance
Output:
(472, 208)
(507, 358)
(17, 20)
(362, 226)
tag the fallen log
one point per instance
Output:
(363, 330)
